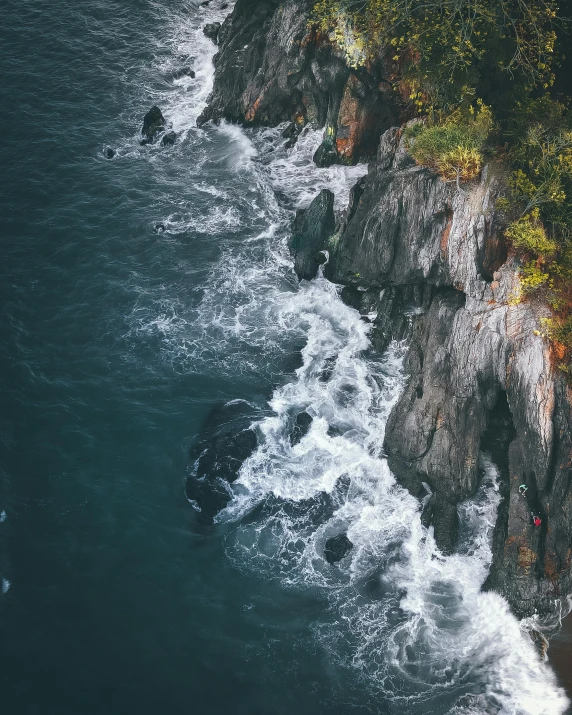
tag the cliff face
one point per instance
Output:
(272, 68)
(480, 372)
(430, 259)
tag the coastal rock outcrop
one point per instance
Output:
(474, 347)
(153, 124)
(311, 230)
(273, 67)
(429, 260)
(211, 31)
(217, 454)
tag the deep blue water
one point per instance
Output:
(138, 294)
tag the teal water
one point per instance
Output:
(139, 294)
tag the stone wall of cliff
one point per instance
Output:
(430, 259)
(272, 67)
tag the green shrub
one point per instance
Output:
(455, 149)
(532, 277)
(529, 234)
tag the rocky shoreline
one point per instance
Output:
(429, 259)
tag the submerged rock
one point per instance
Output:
(336, 548)
(110, 153)
(153, 123)
(311, 230)
(211, 31)
(217, 455)
(302, 424)
(183, 72)
(169, 139)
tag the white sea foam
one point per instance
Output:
(5, 585)
(411, 622)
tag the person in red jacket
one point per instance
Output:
(537, 520)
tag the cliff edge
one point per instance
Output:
(430, 259)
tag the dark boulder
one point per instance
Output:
(326, 154)
(217, 454)
(336, 548)
(153, 123)
(310, 233)
(210, 495)
(302, 424)
(183, 72)
(211, 31)
(110, 153)
(169, 139)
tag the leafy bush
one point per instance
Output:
(455, 148)
(446, 49)
(529, 234)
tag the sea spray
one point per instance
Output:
(411, 623)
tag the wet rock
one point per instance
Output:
(169, 139)
(211, 31)
(272, 68)
(159, 227)
(326, 154)
(446, 283)
(302, 424)
(311, 230)
(110, 153)
(153, 124)
(210, 495)
(336, 548)
(183, 72)
(217, 455)
(291, 133)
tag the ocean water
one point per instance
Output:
(139, 295)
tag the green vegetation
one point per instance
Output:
(483, 75)
(456, 147)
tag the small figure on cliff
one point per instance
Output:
(522, 489)
(537, 520)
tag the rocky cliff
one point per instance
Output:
(430, 259)
(273, 67)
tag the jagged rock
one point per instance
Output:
(310, 233)
(211, 31)
(169, 139)
(473, 348)
(110, 153)
(336, 548)
(302, 424)
(272, 68)
(183, 72)
(292, 132)
(153, 123)
(326, 154)
(224, 443)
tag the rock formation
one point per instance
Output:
(474, 347)
(271, 67)
(429, 257)
(153, 124)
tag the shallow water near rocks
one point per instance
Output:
(141, 292)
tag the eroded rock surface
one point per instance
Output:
(424, 243)
(272, 67)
